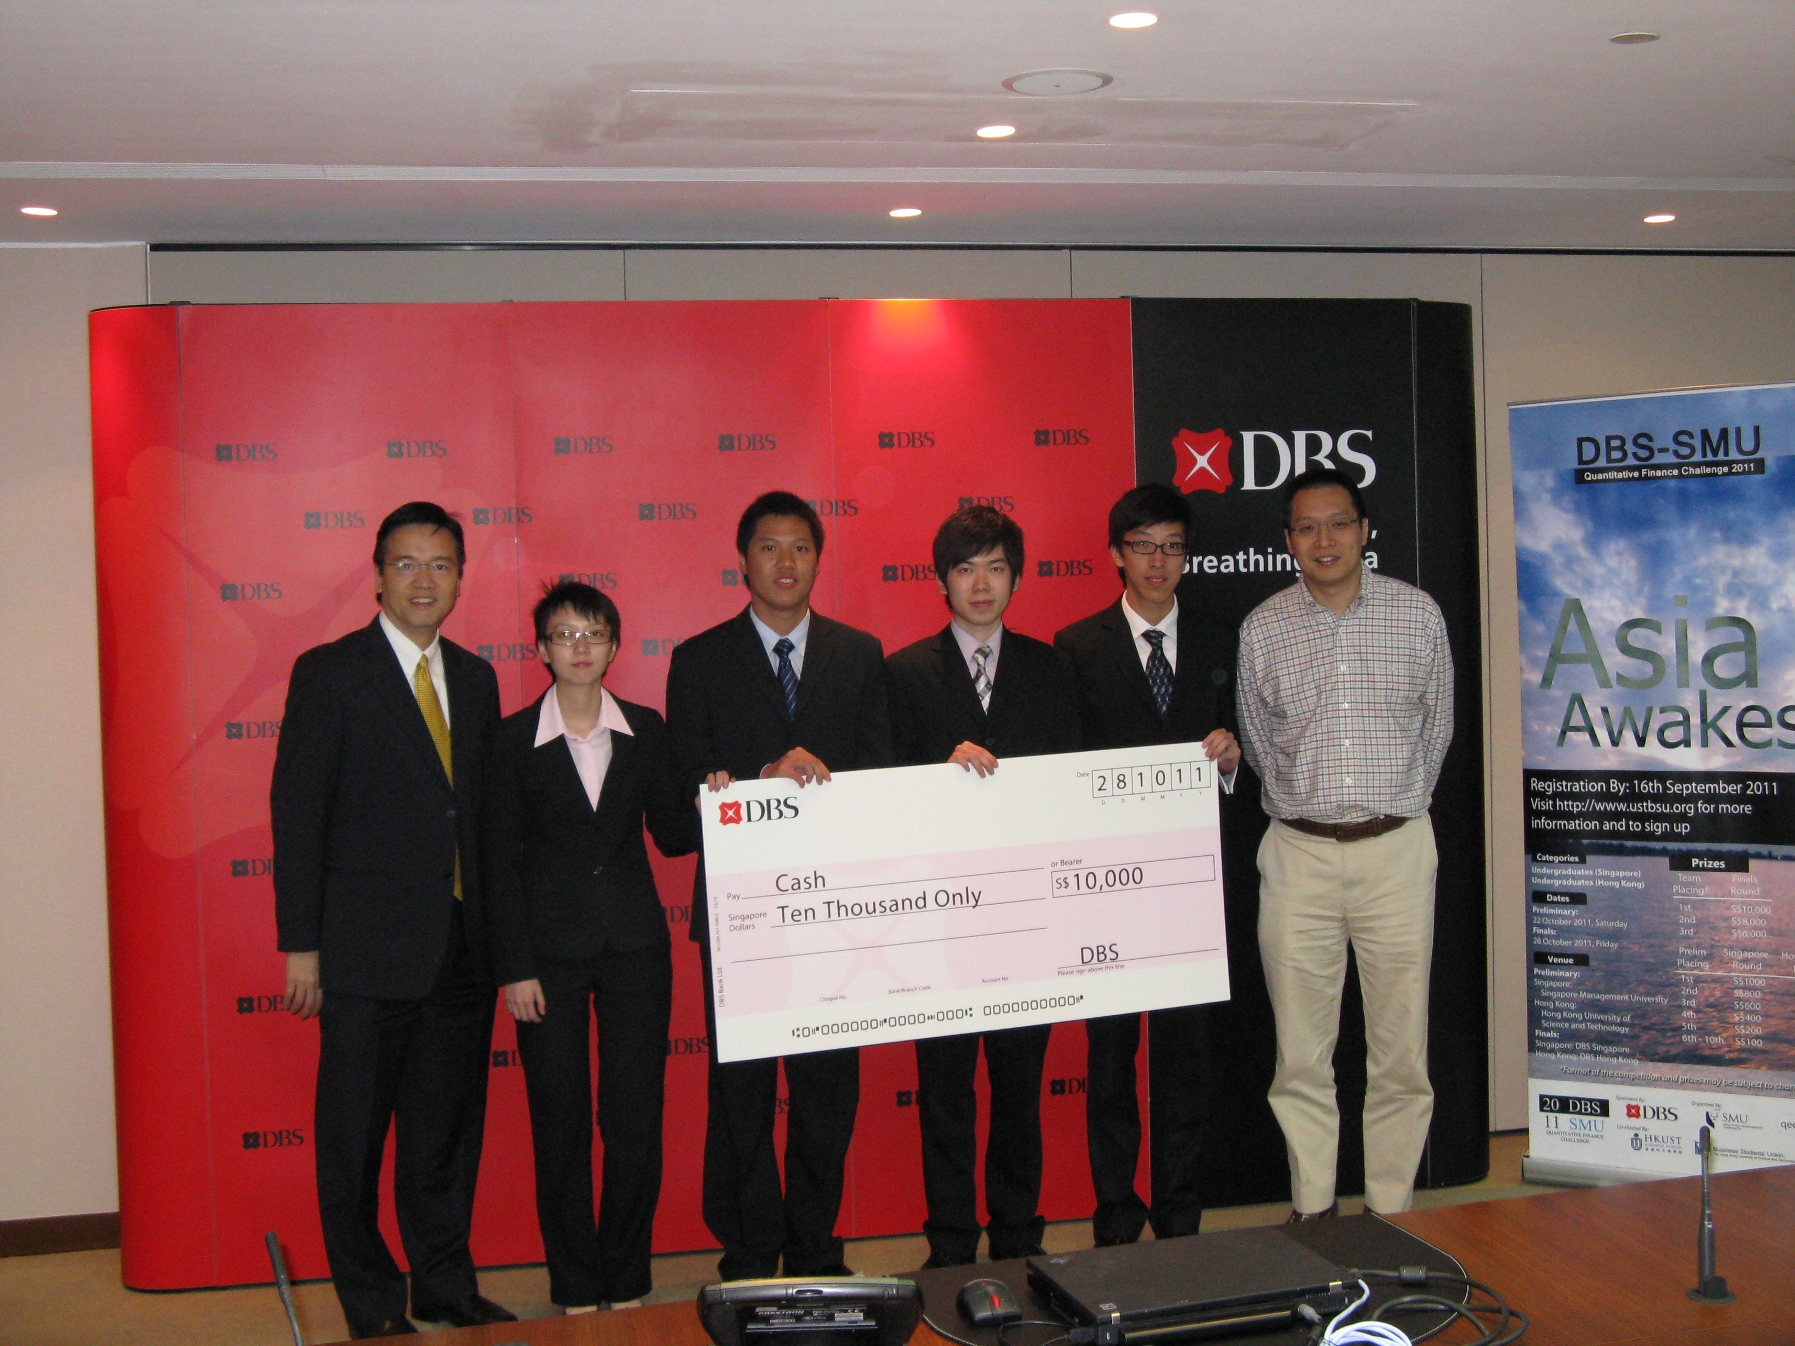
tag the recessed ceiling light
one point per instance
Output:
(1630, 39)
(45, 211)
(905, 213)
(1052, 83)
(997, 132)
(1665, 218)
(1137, 19)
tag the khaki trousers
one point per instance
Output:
(1315, 895)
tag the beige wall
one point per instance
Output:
(56, 1147)
(1546, 326)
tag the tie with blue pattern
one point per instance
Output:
(788, 676)
(1159, 670)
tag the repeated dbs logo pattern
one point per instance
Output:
(1203, 460)
(729, 813)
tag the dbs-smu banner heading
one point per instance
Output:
(1268, 458)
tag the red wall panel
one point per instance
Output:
(243, 457)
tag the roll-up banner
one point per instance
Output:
(1657, 620)
(244, 456)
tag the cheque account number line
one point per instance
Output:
(894, 944)
(895, 883)
(1139, 958)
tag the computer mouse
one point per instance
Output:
(989, 1303)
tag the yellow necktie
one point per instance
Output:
(425, 691)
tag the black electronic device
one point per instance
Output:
(1257, 1272)
(826, 1311)
(989, 1303)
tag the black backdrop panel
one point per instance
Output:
(1233, 396)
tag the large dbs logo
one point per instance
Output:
(729, 813)
(1203, 460)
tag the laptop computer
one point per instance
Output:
(1184, 1279)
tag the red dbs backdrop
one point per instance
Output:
(243, 457)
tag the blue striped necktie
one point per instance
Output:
(788, 676)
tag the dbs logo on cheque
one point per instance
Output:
(756, 811)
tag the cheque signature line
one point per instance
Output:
(895, 944)
(1139, 958)
(897, 883)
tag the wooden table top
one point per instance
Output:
(1605, 1266)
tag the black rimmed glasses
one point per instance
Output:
(1310, 529)
(1141, 546)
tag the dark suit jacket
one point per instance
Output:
(1034, 700)
(366, 825)
(564, 879)
(1118, 708)
(725, 711)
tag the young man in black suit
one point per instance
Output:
(1151, 671)
(779, 690)
(578, 927)
(376, 801)
(972, 693)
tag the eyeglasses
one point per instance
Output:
(571, 638)
(1312, 529)
(437, 568)
(1140, 546)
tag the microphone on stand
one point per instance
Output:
(285, 1286)
(1712, 1288)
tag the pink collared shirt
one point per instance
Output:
(591, 754)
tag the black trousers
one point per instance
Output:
(632, 994)
(948, 1112)
(743, 1206)
(419, 1066)
(1181, 1091)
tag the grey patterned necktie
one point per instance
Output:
(788, 676)
(1159, 670)
(981, 680)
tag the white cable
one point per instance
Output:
(1362, 1334)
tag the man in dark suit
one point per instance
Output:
(376, 806)
(1151, 671)
(779, 690)
(971, 694)
(578, 928)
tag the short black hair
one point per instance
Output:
(586, 601)
(1145, 505)
(973, 531)
(781, 504)
(424, 512)
(1323, 476)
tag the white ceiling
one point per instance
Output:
(1247, 122)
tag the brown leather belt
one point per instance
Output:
(1371, 827)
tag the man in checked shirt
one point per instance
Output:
(1345, 687)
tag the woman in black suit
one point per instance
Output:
(578, 928)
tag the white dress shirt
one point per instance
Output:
(1166, 626)
(591, 754)
(969, 645)
(798, 635)
(408, 654)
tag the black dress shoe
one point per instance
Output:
(468, 1311)
(1304, 1217)
(938, 1260)
(392, 1327)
